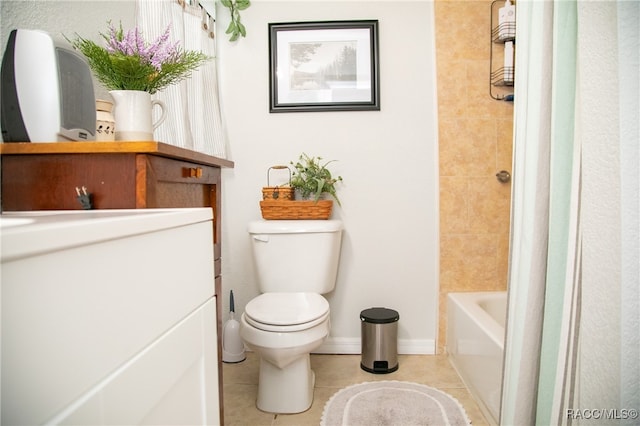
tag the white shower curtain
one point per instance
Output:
(194, 118)
(569, 97)
(530, 212)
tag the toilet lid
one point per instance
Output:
(287, 309)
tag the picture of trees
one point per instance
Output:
(324, 65)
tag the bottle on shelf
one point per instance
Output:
(507, 21)
(509, 70)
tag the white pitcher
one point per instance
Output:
(133, 115)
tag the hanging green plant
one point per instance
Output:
(236, 28)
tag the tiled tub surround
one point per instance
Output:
(334, 372)
(475, 134)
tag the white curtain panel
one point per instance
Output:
(544, 283)
(609, 374)
(628, 17)
(194, 85)
(559, 344)
(194, 118)
(529, 212)
(153, 17)
(215, 141)
(572, 340)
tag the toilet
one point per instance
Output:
(296, 263)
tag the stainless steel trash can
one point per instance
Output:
(379, 340)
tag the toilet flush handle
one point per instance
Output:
(263, 238)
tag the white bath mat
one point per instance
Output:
(392, 403)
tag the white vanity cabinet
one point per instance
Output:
(108, 317)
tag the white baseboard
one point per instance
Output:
(351, 345)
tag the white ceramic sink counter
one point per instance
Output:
(29, 233)
(108, 317)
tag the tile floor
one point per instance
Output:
(333, 372)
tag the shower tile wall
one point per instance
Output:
(475, 133)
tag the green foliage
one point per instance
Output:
(313, 178)
(134, 69)
(236, 28)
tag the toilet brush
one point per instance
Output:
(232, 345)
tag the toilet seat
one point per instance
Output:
(286, 312)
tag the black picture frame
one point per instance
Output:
(324, 66)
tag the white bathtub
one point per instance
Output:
(475, 344)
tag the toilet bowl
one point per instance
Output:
(283, 329)
(296, 263)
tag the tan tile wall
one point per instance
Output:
(475, 133)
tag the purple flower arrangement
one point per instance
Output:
(129, 62)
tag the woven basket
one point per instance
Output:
(279, 193)
(296, 210)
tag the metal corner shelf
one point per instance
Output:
(503, 77)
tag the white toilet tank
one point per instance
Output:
(296, 255)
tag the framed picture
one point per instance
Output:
(324, 66)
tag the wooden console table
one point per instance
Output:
(118, 175)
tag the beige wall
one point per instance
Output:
(475, 134)
(389, 251)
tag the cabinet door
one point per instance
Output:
(172, 382)
(72, 317)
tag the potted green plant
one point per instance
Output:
(127, 61)
(133, 69)
(312, 178)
